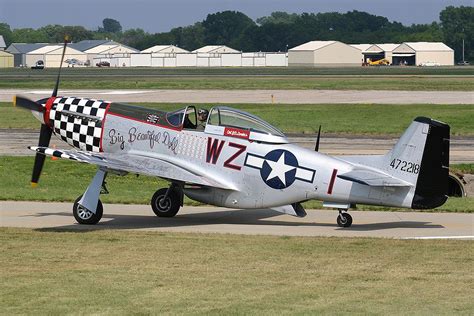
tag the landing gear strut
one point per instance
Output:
(344, 219)
(167, 201)
(88, 208)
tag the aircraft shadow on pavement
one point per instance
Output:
(229, 217)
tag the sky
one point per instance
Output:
(162, 15)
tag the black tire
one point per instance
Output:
(84, 216)
(168, 207)
(344, 220)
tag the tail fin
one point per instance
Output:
(421, 157)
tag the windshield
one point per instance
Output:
(224, 116)
(176, 118)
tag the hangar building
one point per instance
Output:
(423, 53)
(324, 53)
(19, 51)
(2, 43)
(379, 51)
(164, 49)
(216, 49)
(51, 55)
(6, 59)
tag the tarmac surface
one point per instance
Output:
(257, 96)
(403, 225)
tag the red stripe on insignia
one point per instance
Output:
(333, 179)
(103, 127)
(47, 110)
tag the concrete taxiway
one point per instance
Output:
(404, 225)
(257, 96)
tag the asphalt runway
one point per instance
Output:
(257, 96)
(404, 225)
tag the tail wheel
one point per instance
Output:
(344, 220)
(165, 206)
(85, 216)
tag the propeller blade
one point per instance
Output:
(316, 148)
(45, 137)
(27, 104)
(55, 91)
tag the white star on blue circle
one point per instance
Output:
(279, 169)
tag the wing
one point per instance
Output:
(373, 178)
(159, 166)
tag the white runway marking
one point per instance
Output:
(442, 237)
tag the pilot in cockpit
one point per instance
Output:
(202, 118)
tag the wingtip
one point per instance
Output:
(14, 100)
(34, 184)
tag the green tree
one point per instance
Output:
(223, 28)
(457, 25)
(111, 26)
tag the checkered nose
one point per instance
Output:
(78, 121)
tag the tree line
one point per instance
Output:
(273, 33)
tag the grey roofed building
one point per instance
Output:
(19, 51)
(88, 44)
(2, 43)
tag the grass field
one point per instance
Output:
(64, 180)
(352, 78)
(123, 273)
(358, 119)
(244, 71)
(248, 83)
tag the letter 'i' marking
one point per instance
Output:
(331, 183)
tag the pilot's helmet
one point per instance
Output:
(203, 112)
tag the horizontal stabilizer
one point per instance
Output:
(373, 178)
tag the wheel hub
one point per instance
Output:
(84, 213)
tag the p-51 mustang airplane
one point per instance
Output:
(238, 161)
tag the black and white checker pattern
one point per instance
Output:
(78, 132)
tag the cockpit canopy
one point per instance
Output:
(227, 121)
(239, 123)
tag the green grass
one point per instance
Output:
(359, 119)
(248, 83)
(243, 71)
(463, 168)
(122, 273)
(358, 78)
(64, 181)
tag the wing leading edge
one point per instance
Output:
(135, 163)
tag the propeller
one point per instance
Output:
(27, 104)
(316, 148)
(46, 131)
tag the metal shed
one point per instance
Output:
(324, 53)
(2, 43)
(423, 54)
(51, 55)
(165, 49)
(216, 49)
(109, 50)
(19, 51)
(6, 59)
(380, 51)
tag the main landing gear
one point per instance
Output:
(344, 219)
(167, 201)
(88, 208)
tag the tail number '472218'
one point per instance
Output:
(405, 166)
